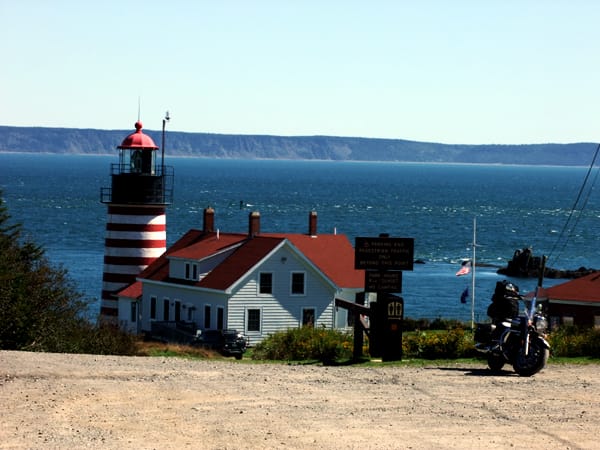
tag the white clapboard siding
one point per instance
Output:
(281, 310)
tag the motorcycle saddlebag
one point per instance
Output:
(483, 332)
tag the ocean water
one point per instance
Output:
(57, 200)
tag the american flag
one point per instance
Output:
(465, 269)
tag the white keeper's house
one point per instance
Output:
(257, 283)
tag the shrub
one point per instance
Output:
(305, 343)
(41, 309)
(450, 344)
(570, 341)
(409, 324)
(106, 339)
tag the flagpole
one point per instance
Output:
(473, 274)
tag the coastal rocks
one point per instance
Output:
(525, 265)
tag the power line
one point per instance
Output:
(574, 208)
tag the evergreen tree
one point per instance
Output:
(40, 308)
(38, 303)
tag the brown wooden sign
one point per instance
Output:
(383, 253)
(385, 281)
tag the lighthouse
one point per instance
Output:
(136, 229)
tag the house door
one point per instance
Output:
(308, 317)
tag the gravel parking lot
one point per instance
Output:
(87, 401)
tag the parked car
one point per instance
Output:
(227, 342)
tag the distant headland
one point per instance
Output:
(333, 148)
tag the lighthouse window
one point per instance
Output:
(136, 161)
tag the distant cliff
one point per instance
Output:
(91, 141)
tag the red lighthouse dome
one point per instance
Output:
(138, 140)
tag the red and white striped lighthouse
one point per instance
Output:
(136, 229)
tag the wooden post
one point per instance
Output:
(358, 329)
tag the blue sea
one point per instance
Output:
(57, 200)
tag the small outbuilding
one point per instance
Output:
(576, 302)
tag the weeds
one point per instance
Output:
(570, 341)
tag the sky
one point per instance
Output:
(456, 72)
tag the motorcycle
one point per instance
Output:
(519, 341)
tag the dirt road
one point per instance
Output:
(84, 401)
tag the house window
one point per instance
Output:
(265, 283)
(253, 320)
(596, 321)
(220, 318)
(191, 271)
(133, 311)
(308, 317)
(190, 313)
(166, 308)
(177, 310)
(297, 283)
(153, 308)
(350, 318)
(206, 317)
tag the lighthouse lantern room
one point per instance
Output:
(141, 189)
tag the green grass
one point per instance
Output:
(307, 346)
(181, 351)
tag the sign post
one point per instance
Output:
(394, 309)
(383, 259)
(384, 253)
(383, 281)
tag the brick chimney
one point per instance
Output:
(254, 224)
(209, 220)
(312, 223)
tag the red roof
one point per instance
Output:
(585, 289)
(240, 262)
(132, 291)
(138, 140)
(333, 255)
(159, 269)
(210, 244)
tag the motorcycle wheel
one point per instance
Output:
(495, 362)
(535, 361)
